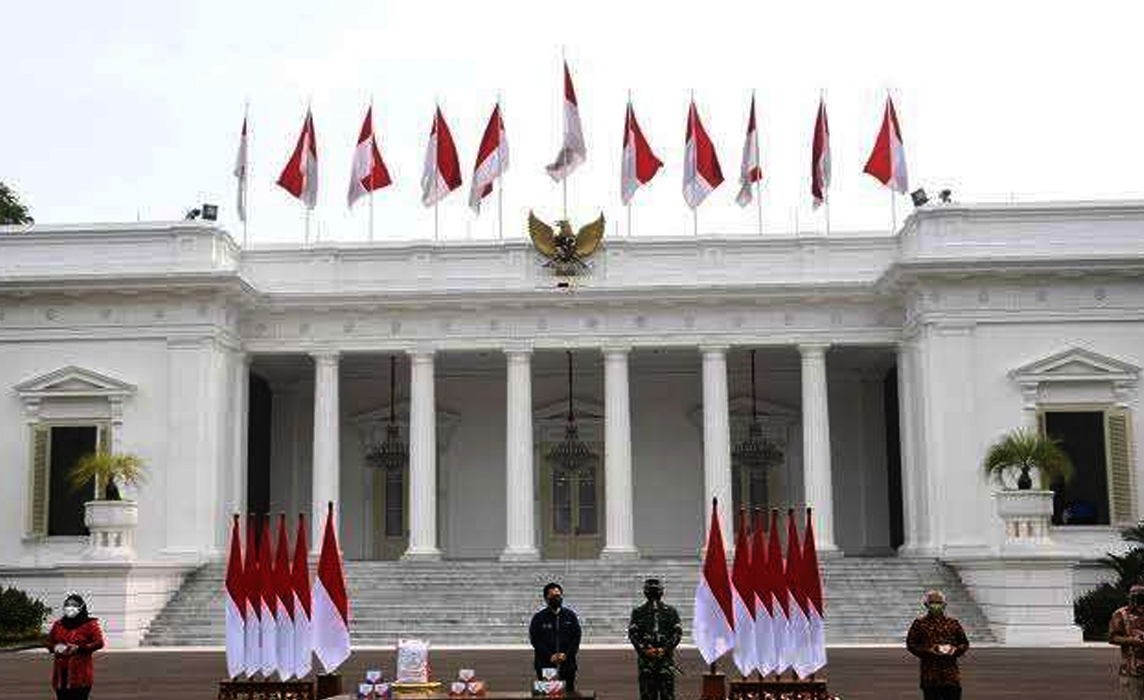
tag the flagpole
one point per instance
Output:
(500, 180)
(759, 203)
(371, 164)
(246, 174)
(826, 201)
(628, 206)
(893, 214)
(563, 180)
(307, 225)
(436, 230)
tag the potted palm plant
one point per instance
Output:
(1026, 511)
(109, 518)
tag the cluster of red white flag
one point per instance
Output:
(273, 623)
(701, 171)
(769, 610)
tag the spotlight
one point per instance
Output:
(945, 196)
(919, 197)
(192, 214)
(210, 212)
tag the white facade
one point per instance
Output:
(986, 316)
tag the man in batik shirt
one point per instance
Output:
(1126, 630)
(938, 640)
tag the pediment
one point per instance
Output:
(73, 382)
(1076, 365)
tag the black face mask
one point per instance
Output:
(555, 601)
(1137, 600)
(653, 594)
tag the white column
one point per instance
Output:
(716, 442)
(422, 459)
(326, 460)
(520, 536)
(238, 463)
(913, 514)
(619, 520)
(816, 443)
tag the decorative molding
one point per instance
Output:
(73, 382)
(1077, 365)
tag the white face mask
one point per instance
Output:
(70, 611)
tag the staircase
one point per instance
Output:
(459, 603)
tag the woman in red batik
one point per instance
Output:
(72, 640)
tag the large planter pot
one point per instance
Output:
(112, 527)
(1027, 516)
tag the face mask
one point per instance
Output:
(555, 601)
(70, 611)
(935, 608)
(653, 594)
(1137, 600)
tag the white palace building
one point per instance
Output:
(259, 380)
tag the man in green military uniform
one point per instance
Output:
(655, 630)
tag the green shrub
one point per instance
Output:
(21, 616)
(1093, 610)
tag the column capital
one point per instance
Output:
(326, 357)
(714, 349)
(813, 349)
(421, 353)
(615, 349)
(517, 350)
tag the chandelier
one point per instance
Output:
(571, 453)
(391, 455)
(756, 452)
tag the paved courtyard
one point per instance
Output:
(1085, 673)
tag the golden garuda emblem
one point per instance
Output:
(566, 253)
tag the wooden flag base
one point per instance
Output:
(266, 690)
(773, 689)
(328, 685)
(714, 685)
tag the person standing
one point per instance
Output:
(1126, 630)
(937, 640)
(555, 636)
(72, 641)
(655, 630)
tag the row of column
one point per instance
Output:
(520, 541)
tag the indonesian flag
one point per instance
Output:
(252, 579)
(368, 172)
(714, 622)
(285, 592)
(798, 631)
(442, 173)
(820, 157)
(573, 152)
(300, 176)
(765, 660)
(701, 172)
(639, 164)
(812, 583)
(492, 160)
(268, 615)
(743, 601)
(887, 162)
(331, 605)
(750, 171)
(300, 586)
(235, 606)
(780, 594)
(240, 174)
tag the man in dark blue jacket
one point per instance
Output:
(555, 637)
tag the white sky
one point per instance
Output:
(116, 110)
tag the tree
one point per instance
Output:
(1025, 449)
(12, 210)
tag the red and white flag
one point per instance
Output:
(492, 160)
(811, 578)
(820, 157)
(240, 174)
(780, 593)
(331, 604)
(798, 631)
(300, 176)
(764, 602)
(701, 171)
(252, 579)
(442, 173)
(368, 172)
(285, 614)
(750, 171)
(743, 601)
(303, 610)
(639, 164)
(269, 608)
(573, 152)
(713, 629)
(235, 606)
(887, 162)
